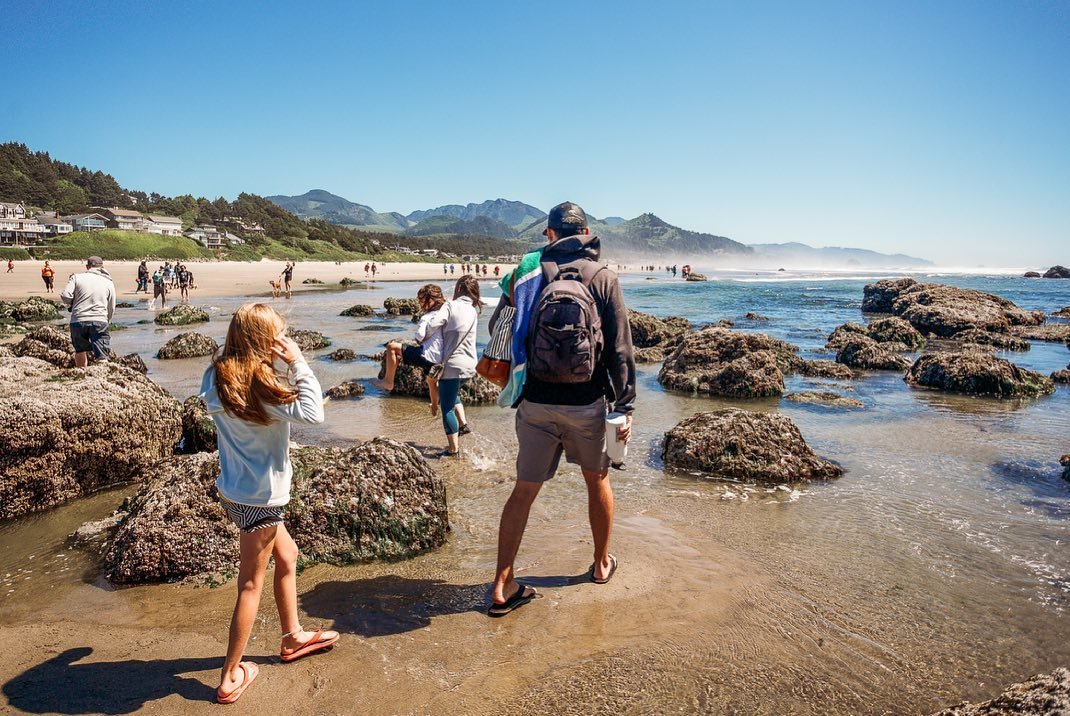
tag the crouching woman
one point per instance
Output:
(256, 387)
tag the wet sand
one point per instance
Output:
(225, 278)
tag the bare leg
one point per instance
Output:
(459, 409)
(285, 583)
(600, 513)
(255, 550)
(81, 360)
(510, 533)
(432, 390)
(453, 442)
(393, 355)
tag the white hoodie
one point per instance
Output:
(90, 296)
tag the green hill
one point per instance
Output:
(321, 204)
(481, 225)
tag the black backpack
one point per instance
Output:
(565, 335)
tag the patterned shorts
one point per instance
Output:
(250, 518)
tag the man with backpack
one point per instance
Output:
(573, 362)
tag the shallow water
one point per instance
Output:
(936, 568)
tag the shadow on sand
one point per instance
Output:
(395, 605)
(60, 685)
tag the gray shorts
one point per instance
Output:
(250, 518)
(91, 337)
(545, 431)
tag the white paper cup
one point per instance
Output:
(616, 448)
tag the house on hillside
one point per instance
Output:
(53, 224)
(87, 222)
(163, 225)
(124, 219)
(208, 235)
(12, 210)
(239, 224)
(20, 232)
(233, 238)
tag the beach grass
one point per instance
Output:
(12, 252)
(114, 245)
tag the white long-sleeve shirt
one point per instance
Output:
(430, 339)
(90, 296)
(458, 322)
(254, 460)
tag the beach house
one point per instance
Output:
(163, 225)
(16, 231)
(12, 210)
(87, 222)
(53, 224)
(125, 219)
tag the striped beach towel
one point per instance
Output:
(522, 286)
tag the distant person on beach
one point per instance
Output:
(159, 288)
(255, 388)
(184, 280)
(497, 270)
(445, 270)
(91, 298)
(373, 272)
(564, 381)
(452, 267)
(142, 278)
(457, 319)
(367, 267)
(428, 353)
(48, 275)
(10, 266)
(288, 277)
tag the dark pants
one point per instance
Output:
(91, 337)
(448, 391)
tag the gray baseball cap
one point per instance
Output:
(94, 262)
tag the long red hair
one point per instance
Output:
(244, 375)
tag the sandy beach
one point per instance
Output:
(225, 278)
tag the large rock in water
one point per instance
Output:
(411, 381)
(54, 346)
(1002, 341)
(649, 331)
(895, 333)
(720, 361)
(945, 310)
(864, 352)
(379, 500)
(34, 308)
(187, 345)
(1057, 272)
(308, 340)
(1042, 695)
(977, 373)
(181, 315)
(401, 306)
(361, 309)
(744, 445)
(70, 432)
(198, 428)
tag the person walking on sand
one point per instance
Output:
(445, 270)
(159, 288)
(427, 354)
(10, 266)
(142, 278)
(367, 267)
(91, 298)
(573, 362)
(48, 275)
(184, 278)
(254, 390)
(458, 320)
(288, 277)
(373, 272)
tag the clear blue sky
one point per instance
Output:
(941, 129)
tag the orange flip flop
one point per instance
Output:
(312, 645)
(249, 671)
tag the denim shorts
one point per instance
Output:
(91, 337)
(414, 355)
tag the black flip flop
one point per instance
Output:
(516, 601)
(612, 571)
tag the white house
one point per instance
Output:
(207, 235)
(163, 225)
(12, 210)
(53, 224)
(20, 232)
(125, 219)
(87, 222)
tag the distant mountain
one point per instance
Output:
(481, 225)
(804, 256)
(320, 204)
(511, 213)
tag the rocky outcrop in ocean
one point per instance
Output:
(361, 310)
(942, 310)
(70, 432)
(401, 306)
(826, 369)
(1057, 272)
(720, 361)
(893, 333)
(1063, 312)
(865, 353)
(187, 345)
(696, 277)
(1041, 695)
(649, 331)
(182, 315)
(977, 372)
(824, 397)
(348, 389)
(1049, 332)
(34, 308)
(379, 500)
(54, 346)
(1031, 274)
(343, 354)
(744, 445)
(308, 340)
(1061, 376)
(1001, 341)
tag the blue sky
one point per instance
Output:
(937, 129)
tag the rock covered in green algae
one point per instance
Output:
(1041, 695)
(31, 310)
(362, 310)
(1002, 341)
(348, 389)
(187, 345)
(826, 369)
(863, 352)
(198, 428)
(894, 332)
(70, 432)
(720, 361)
(308, 340)
(744, 445)
(379, 500)
(181, 315)
(401, 306)
(976, 372)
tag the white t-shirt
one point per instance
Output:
(430, 339)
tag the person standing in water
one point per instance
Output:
(255, 389)
(458, 320)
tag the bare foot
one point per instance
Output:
(434, 410)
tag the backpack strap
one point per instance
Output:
(586, 268)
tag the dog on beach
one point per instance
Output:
(276, 288)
